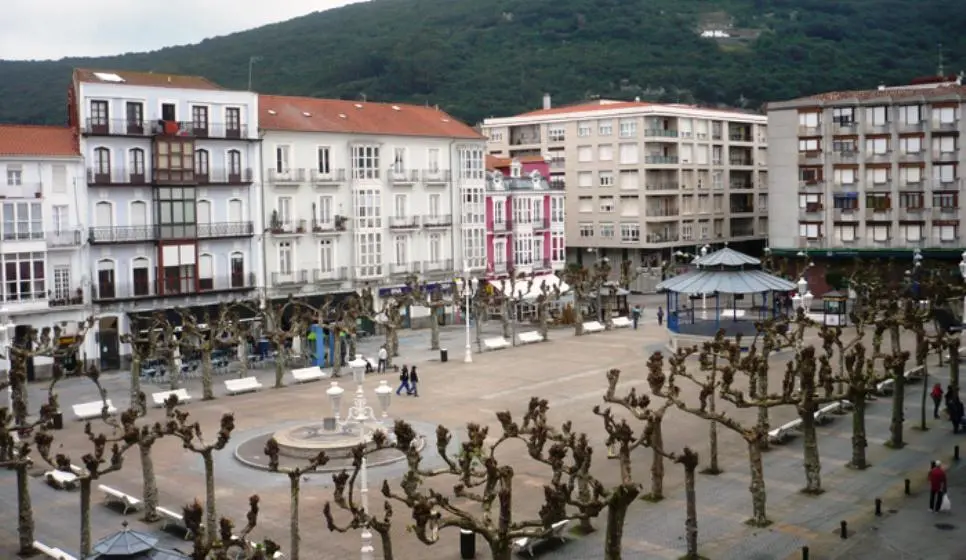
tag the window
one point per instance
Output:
(910, 144)
(556, 133)
(285, 258)
(944, 173)
(844, 175)
(810, 119)
(630, 233)
(60, 218)
(606, 178)
(946, 115)
(400, 206)
(237, 270)
(910, 175)
(878, 146)
(557, 209)
(522, 210)
(58, 178)
(432, 158)
(844, 145)
(585, 154)
(102, 165)
(206, 272)
(202, 161)
(523, 249)
(878, 202)
(606, 204)
(99, 114)
(398, 160)
(436, 248)
(557, 247)
(810, 175)
(23, 277)
(585, 179)
(233, 121)
(471, 164)
(199, 118)
(687, 231)
(175, 207)
(877, 175)
(810, 202)
(628, 154)
(179, 268)
(944, 144)
(847, 202)
(843, 116)
(910, 114)
(14, 175)
(806, 145)
(845, 232)
(368, 208)
(401, 246)
(283, 212)
(606, 230)
(583, 129)
(282, 161)
(474, 246)
(141, 277)
(628, 128)
(62, 288)
(105, 279)
(605, 152)
(234, 166)
(880, 232)
(945, 231)
(365, 162)
(323, 163)
(810, 230)
(174, 160)
(911, 232)
(499, 211)
(324, 210)
(945, 201)
(23, 220)
(877, 116)
(605, 128)
(586, 229)
(369, 254)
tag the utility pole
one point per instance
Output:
(251, 63)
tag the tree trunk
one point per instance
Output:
(352, 346)
(135, 380)
(434, 328)
(544, 321)
(622, 498)
(149, 481)
(759, 517)
(25, 511)
(657, 462)
(500, 549)
(923, 404)
(211, 516)
(174, 372)
(713, 467)
(859, 441)
(898, 396)
(294, 488)
(691, 503)
(513, 324)
(385, 537)
(479, 331)
(388, 343)
(336, 357)
(394, 337)
(761, 383)
(207, 391)
(505, 317)
(585, 496)
(812, 461)
(280, 367)
(578, 313)
(85, 515)
(954, 363)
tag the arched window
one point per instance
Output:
(237, 270)
(236, 210)
(234, 167)
(139, 213)
(141, 276)
(206, 272)
(135, 166)
(106, 285)
(102, 166)
(202, 170)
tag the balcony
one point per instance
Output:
(290, 278)
(70, 298)
(64, 239)
(403, 222)
(661, 160)
(158, 288)
(541, 223)
(877, 128)
(843, 156)
(816, 130)
(910, 127)
(749, 185)
(403, 177)
(879, 186)
(285, 178)
(878, 214)
(23, 190)
(660, 133)
(813, 157)
(912, 214)
(226, 177)
(404, 269)
(845, 214)
(144, 128)
(939, 125)
(740, 232)
(662, 187)
(556, 185)
(116, 127)
(911, 156)
(558, 164)
(118, 177)
(542, 264)
(334, 275)
(286, 227)
(502, 226)
(121, 234)
(740, 138)
(945, 213)
(810, 212)
(844, 127)
(222, 230)
(329, 227)
(659, 237)
(436, 177)
(438, 267)
(214, 130)
(878, 157)
(23, 232)
(174, 177)
(437, 221)
(333, 178)
(945, 156)
(662, 212)
(946, 183)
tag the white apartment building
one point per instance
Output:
(360, 193)
(877, 171)
(41, 243)
(643, 179)
(173, 201)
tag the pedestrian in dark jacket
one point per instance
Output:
(956, 413)
(413, 383)
(403, 380)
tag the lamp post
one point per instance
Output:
(469, 288)
(6, 334)
(360, 416)
(962, 272)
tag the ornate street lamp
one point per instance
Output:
(470, 285)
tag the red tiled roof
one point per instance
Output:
(497, 162)
(37, 141)
(279, 112)
(149, 79)
(892, 93)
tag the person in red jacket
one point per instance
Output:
(937, 399)
(937, 486)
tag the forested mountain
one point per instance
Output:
(479, 58)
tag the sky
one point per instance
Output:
(53, 29)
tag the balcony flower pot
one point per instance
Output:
(317, 229)
(277, 230)
(300, 229)
(38, 195)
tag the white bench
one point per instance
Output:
(240, 554)
(173, 518)
(495, 343)
(732, 313)
(526, 544)
(112, 496)
(618, 323)
(163, 396)
(822, 415)
(783, 432)
(529, 337)
(914, 374)
(61, 479)
(51, 552)
(243, 385)
(593, 327)
(304, 375)
(89, 410)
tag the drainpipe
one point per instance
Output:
(260, 200)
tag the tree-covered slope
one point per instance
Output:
(479, 58)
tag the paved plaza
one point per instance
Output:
(569, 372)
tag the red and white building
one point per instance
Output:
(524, 219)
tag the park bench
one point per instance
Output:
(783, 432)
(173, 518)
(527, 544)
(305, 375)
(495, 343)
(529, 337)
(593, 327)
(822, 415)
(61, 480)
(914, 374)
(51, 552)
(618, 323)
(112, 496)
(243, 385)
(162, 397)
(89, 410)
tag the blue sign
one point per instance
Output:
(429, 287)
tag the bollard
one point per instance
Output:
(956, 453)
(908, 489)
(844, 531)
(804, 553)
(878, 507)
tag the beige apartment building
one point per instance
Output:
(645, 179)
(875, 173)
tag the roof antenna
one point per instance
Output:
(362, 94)
(941, 69)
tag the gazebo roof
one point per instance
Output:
(727, 257)
(128, 544)
(726, 282)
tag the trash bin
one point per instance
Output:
(467, 544)
(57, 420)
(443, 355)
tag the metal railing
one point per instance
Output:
(153, 287)
(439, 265)
(319, 226)
(104, 176)
(660, 133)
(144, 127)
(289, 278)
(403, 176)
(662, 187)
(337, 274)
(225, 229)
(403, 222)
(437, 220)
(661, 212)
(65, 238)
(225, 177)
(281, 227)
(285, 177)
(401, 269)
(436, 175)
(661, 160)
(505, 224)
(122, 234)
(334, 176)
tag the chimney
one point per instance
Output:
(546, 101)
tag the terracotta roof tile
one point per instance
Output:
(149, 79)
(497, 162)
(895, 93)
(584, 107)
(37, 141)
(279, 112)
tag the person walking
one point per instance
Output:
(937, 399)
(404, 381)
(413, 383)
(956, 412)
(383, 360)
(636, 315)
(937, 486)
(660, 316)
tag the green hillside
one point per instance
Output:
(479, 58)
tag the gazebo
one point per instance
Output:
(132, 545)
(730, 276)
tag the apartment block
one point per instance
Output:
(642, 179)
(875, 172)
(172, 192)
(44, 211)
(524, 218)
(366, 194)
